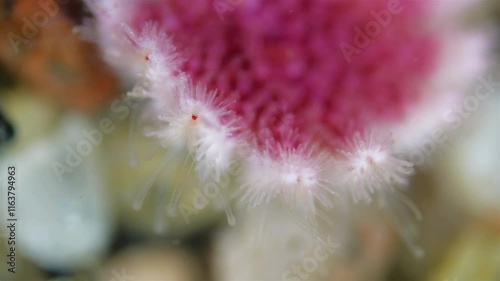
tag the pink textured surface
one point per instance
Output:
(281, 62)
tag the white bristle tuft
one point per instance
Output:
(297, 177)
(369, 166)
(194, 121)
(156, 60)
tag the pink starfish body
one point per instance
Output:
(282, 66)
(295, 81)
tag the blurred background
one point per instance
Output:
(76, 185)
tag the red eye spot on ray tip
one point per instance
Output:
(194, 117)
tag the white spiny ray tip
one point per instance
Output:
(297, 176)
(155, 58)
(197, 122)
(214, 150)
(369, 166)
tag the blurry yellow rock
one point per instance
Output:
(269, 244)
(200, 202)
(31, 115)
(273, 244)
(155, 262)
(475, 255)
